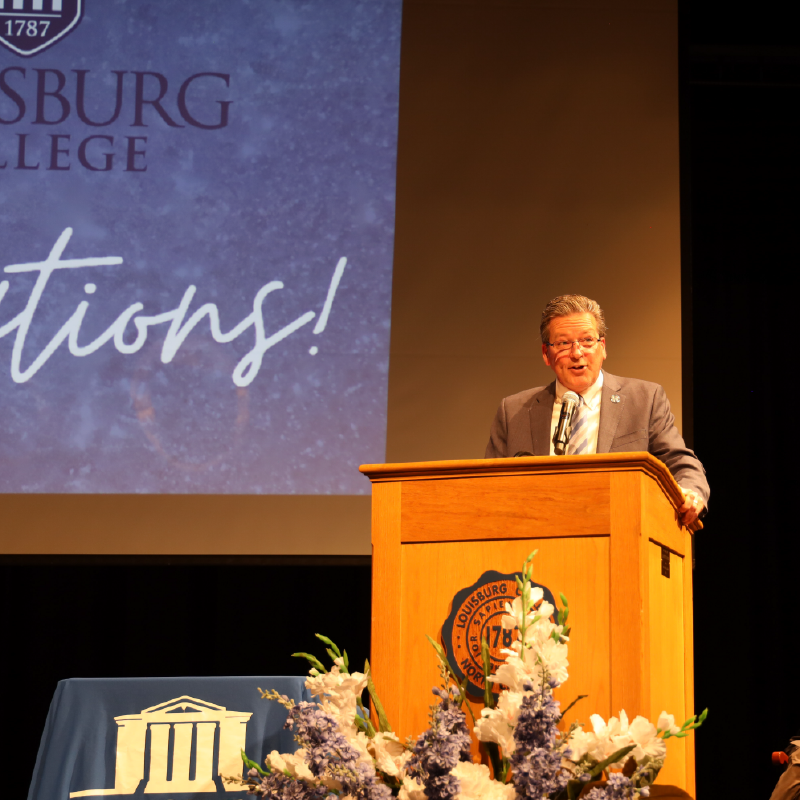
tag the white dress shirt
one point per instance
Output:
(591, 398)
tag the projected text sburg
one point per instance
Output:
(55, 97)
(179, 327)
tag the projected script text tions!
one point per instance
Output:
(179, 326)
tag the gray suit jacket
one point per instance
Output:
(641, 420)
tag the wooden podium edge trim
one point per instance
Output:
(529, 465)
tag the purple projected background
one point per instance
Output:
(236, 145)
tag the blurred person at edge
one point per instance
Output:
(622, 414)
(788, 785)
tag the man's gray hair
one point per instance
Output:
(566, 304)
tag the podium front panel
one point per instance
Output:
(434, 573)
(608, 537)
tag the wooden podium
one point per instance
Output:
(608, 537)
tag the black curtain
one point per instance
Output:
(740, 90)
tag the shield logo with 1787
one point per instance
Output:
(28, 27)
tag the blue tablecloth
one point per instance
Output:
(166, 737)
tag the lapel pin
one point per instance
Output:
(615, 398)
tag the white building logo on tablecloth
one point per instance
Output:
(194, 725)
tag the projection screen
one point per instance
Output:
(198, 245)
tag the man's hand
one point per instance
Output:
(692, 506)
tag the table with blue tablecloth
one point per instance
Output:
(163, 737)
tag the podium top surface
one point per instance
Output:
(530, 465)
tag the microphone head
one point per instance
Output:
(570, 397)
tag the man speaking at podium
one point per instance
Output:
(586, 410)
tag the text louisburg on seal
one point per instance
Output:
(477, 611)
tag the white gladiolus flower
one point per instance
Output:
(512, 673)
(600, 743)
(404, 759)
(666, 722)
(617, 733)
(549, 657)
(580, 743)
(545, 611)
(389, 753)
(497, 724)
(476, 784)
(359, 741)
(606, 736)
(293, 763)
(412, 789)
(338, 693)
(605, 730)
(514, 610)
(648, 743)
(544, 656)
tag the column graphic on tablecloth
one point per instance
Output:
(192, 726)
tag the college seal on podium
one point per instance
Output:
(478, 611)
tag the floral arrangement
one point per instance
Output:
(343, 755)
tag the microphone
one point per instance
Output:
(569, 405)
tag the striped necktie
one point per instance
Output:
(579, 438)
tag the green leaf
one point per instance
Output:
(346, 661)
(574, 789)
(313, 660)
(498, 768)
(612, 759)
(330, 644)
(691, 724)
(367, 725)
(504, 767)
(383, 723)
(252, 764)
(488, 694)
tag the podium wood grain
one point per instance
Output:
(600, 524)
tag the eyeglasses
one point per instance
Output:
(588, 343)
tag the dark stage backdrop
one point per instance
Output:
(741, 168)
(538, 154)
